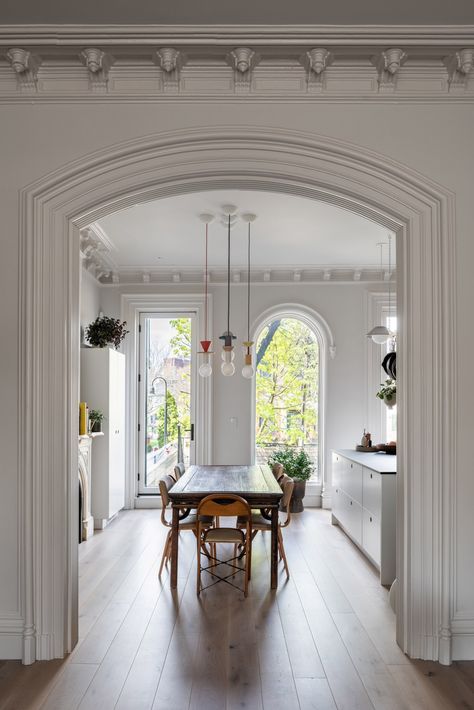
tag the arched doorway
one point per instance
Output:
(54, 208)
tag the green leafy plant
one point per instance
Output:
(296, 462)
(96, 416)
(106, 331)
(388, 390)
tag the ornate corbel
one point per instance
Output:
(171, 62)
(388, 64)
(459, 66)
(243, 61)
(25, 65)
(98, 64)
(316, 62)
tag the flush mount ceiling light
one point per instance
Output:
(205, 369)
(380, 334)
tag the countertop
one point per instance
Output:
(380, 462)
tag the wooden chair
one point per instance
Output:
(190, 522)
(179, 470)
(218, 506)
(278, 471)
(261, 522)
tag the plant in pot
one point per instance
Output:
(298, 465)
(388, 393)
(106, 331)
(96, 417)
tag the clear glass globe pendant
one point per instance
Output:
(228, 355)
(248, 370)
(205, 369)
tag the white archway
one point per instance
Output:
(419, 211)
(327, 349)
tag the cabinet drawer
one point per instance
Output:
(336, 501)
(337, 469)
(352, 480)
(372, 491)
(371, 535)
(353, 515)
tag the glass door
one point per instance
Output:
(166, 399)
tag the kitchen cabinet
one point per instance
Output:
(364, 505)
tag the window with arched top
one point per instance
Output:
(287, 389)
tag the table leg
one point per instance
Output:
(274, 550)
(174, 549)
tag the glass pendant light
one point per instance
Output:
(205, 369)
(380, 334)
(248, 370)
(227, 366)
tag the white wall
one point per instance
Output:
(38, 138)
(90, 299)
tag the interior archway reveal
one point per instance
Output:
(54, 208)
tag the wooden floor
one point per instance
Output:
(325, 640)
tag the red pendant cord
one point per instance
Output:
(205, 304)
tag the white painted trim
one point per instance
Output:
(11, 636)
(327, 349)
(131, 307)
(420, 212)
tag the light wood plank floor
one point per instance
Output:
(325, 640)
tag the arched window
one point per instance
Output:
(290, 354)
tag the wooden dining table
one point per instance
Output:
(256, 484)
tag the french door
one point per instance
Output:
(166, 396)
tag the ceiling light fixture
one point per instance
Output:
(248, 370)
(380, 334)
(205, 370)
(227, 366)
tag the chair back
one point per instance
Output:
(165, 484)
(224, 505)
(277, 470)
(287, 485)
(179, 470)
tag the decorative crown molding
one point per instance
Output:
(25, 65)
(170, 60)
(388, 65)
(459, 66)
(98, 64)
(242, 60)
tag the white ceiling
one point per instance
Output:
(289, 231)
(209, 12)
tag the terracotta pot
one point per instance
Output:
(296, 504)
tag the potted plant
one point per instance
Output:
(298, 465)
(388, 393)
(105, 331)
(96, 417)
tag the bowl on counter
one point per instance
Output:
(390, 449)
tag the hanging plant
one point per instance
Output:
(106, 331)
(388, 392)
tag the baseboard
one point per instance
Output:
(11, 638)
(462, 640)
(312, 501)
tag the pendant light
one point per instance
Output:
(205, 369)
(248, 370)
(380, 334)
(227, 366)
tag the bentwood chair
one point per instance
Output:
(261, 522)
(190, 522)
(278, 471)
(179, 470)
(217, 506)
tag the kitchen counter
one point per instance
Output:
(379, 462)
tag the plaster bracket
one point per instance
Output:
(171, 61)
(243, 61)
(459, 66)
(388, 65)
(98, 64)
(316, 62)
(25, 65)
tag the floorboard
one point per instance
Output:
(324, 641)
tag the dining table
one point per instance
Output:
(256, 484)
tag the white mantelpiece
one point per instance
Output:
(85, 447)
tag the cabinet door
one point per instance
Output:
(336, 501)
(354, 519)
(352, 480)
(337, 469)
(371, 535)
(372, 491)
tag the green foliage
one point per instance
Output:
(387, 390)
(106, 331)
(181, 342)
(296, 462)
(172, 421)
(287, 385)
(96, 415)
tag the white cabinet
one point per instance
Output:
(103, 387)
(364, 505)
